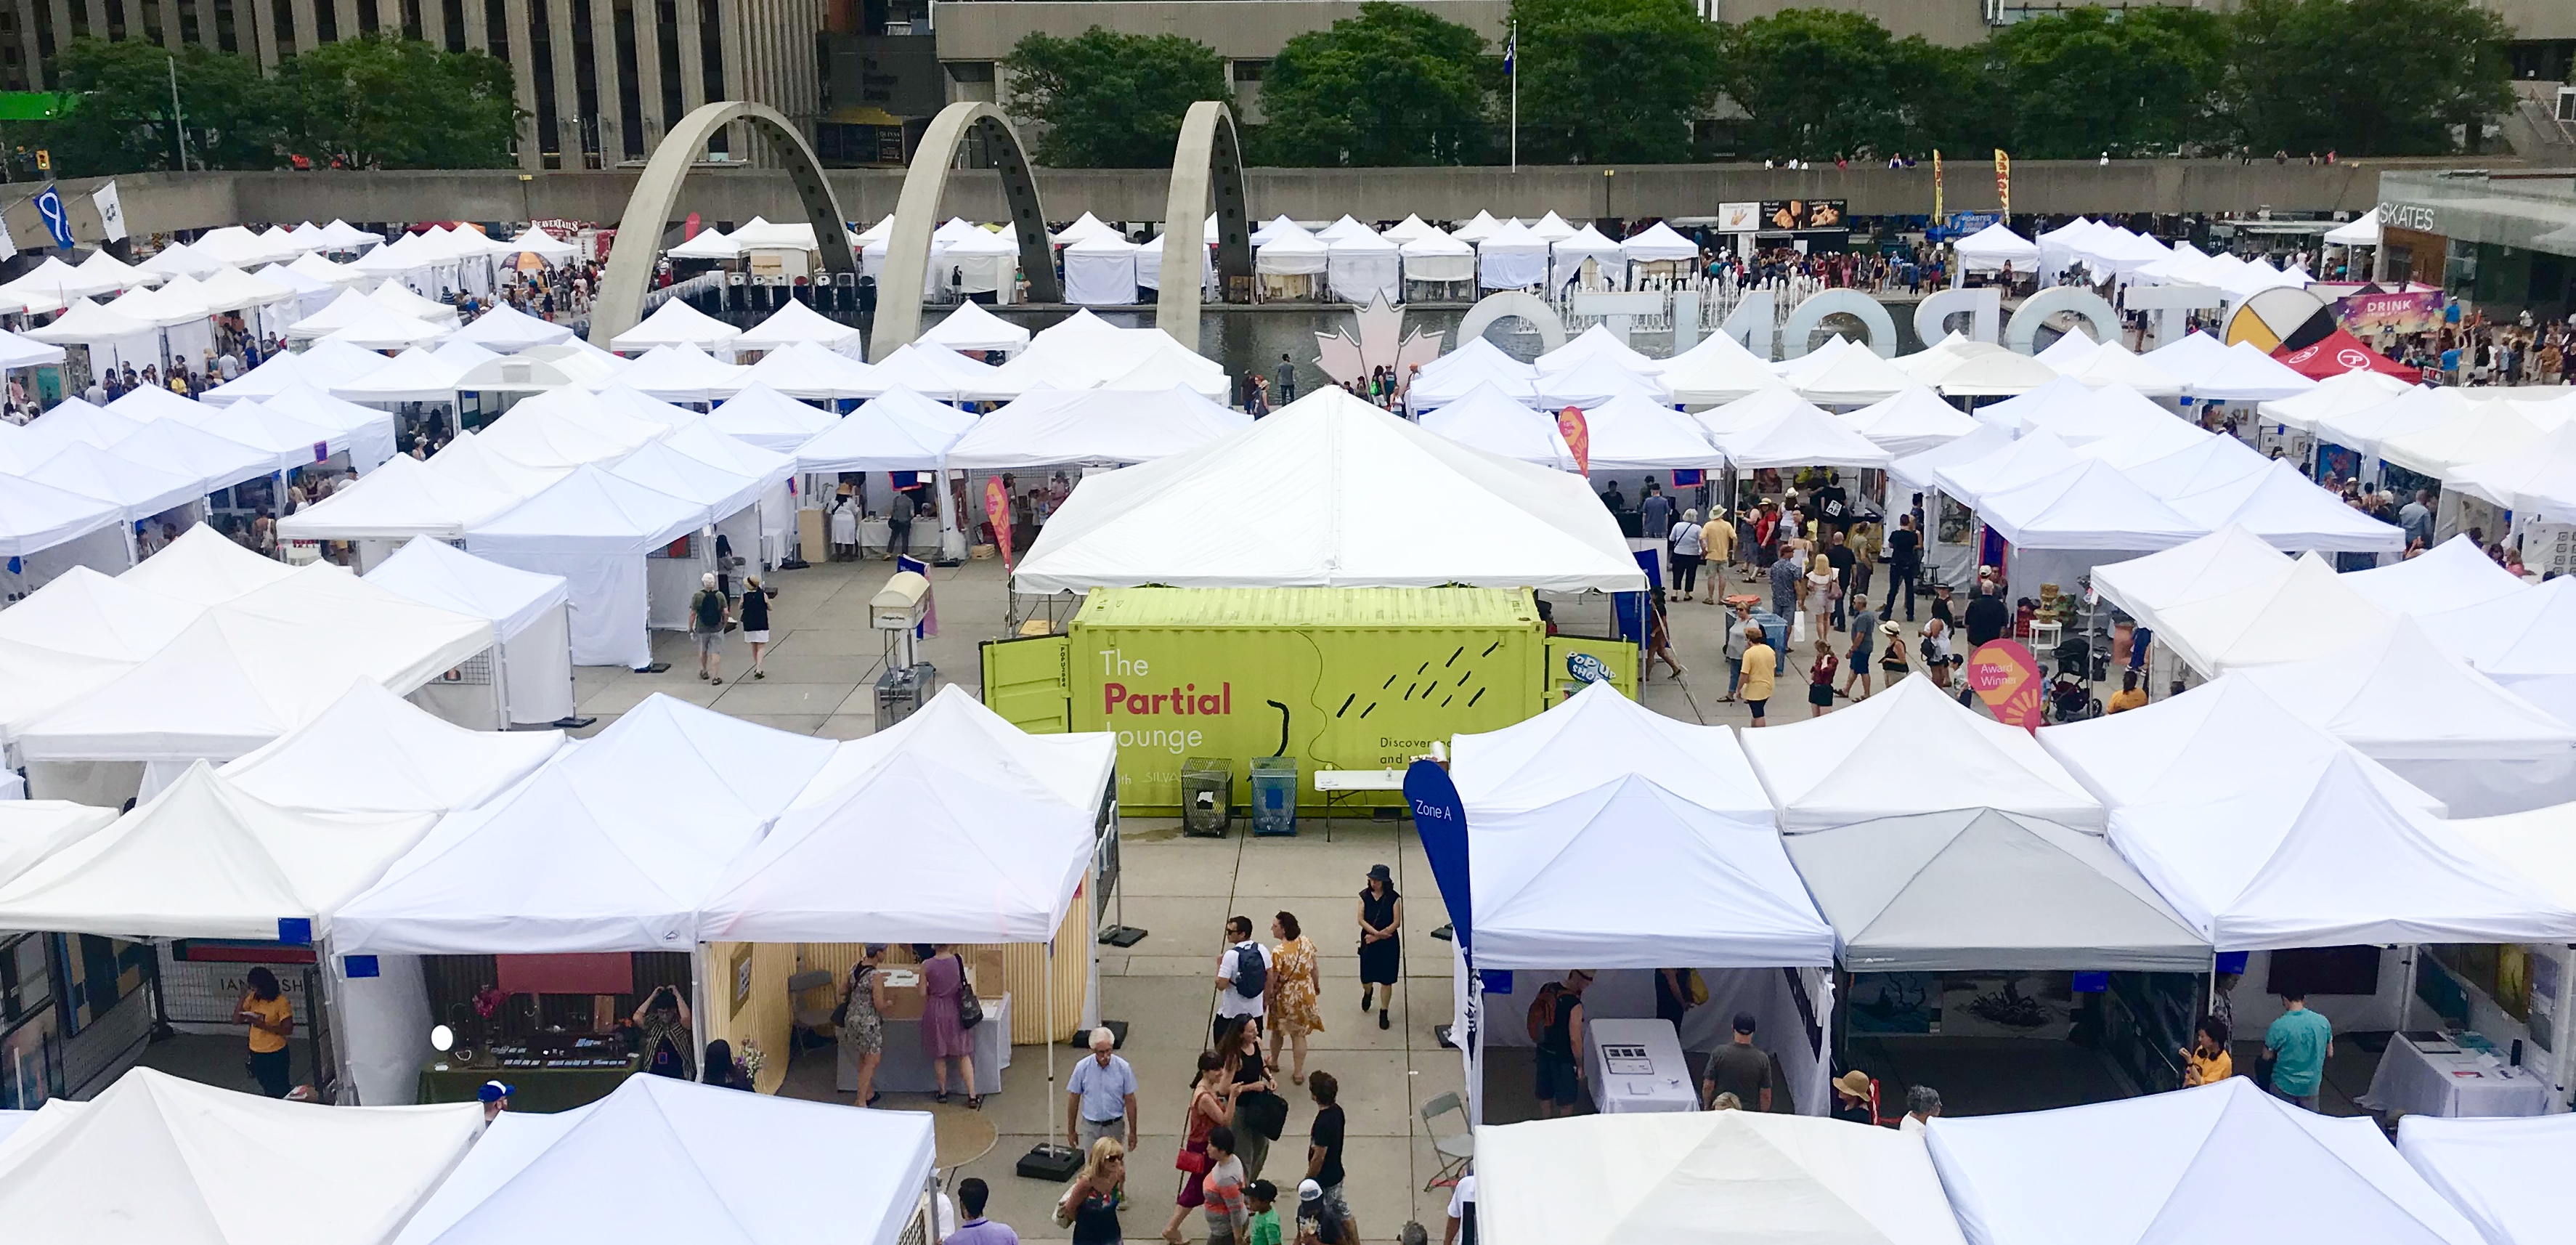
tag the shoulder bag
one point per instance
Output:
(970, 1010)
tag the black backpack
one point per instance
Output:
(1251, 970)
(710, 609)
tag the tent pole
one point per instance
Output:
(1048, 1029)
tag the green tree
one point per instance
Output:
(393, 103)
(120, 120)
(1111, 101)
(1613, 80)
(2366, 77)
(1825, 84)
(1394, 85)
(2142, 81)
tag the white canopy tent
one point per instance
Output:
(2319, 857)
(944, 375)
(1990, 248)
(1995, 374)
(1466, 369)
(2306, 611)
(1512, 257)
(1597, 733)
(156, 1160)
(2092, 508)
(1488, 419)
(970, 327)
(1593, 343)
(810, 372)
(2519, 640)
(2344, 393)
(374, 752)
(1481, 227)
(31, 830)
(417, 375)
(2113, 364)
(2195, 746)
(1631, 433)
(1330, 491)
(2539, 482)
(1169, 364)
(530, 616)
(1799, 436)
(1852, 377)
(764, 417)
(2141, 1171)
(2455, 573)
(1911, 422)
(2438, 723)
(2503, 1174)
(598, 531)
(2225, 561)
(676, 323)
(682, 373)
(796, 321)
(1594, 381)
(2286, 508)
(1717, 370)
(203, 568)
(1819, 775)
(883, 434)
(137, 491)
(507, 330)
(1770, 1179)
(1100, 271)
(112, 337)
(723, 1166)
(2366, 428)
(955, 729)
(323, 364)
(1362, 267)
(1091, 427)
(1436, 257)
(2246, 374)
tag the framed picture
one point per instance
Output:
(741, 977)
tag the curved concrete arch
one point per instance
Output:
(657, 196)
(2021, 333)
(1807, 317)
(1506, 305)
(1208, 157)
(916, 212)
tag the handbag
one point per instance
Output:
(1266, 1112)
(1195, 1162)
(970, 1010)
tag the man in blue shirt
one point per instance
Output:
(977, 1230)
(2299, 1042)
(1103, 1099)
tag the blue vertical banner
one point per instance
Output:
(58, 222)
(1440, 818)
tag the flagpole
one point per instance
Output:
(178, 123)
(1512, 66)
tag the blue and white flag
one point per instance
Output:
(58, 221)
(1511, 49)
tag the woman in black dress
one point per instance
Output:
(1381, 950)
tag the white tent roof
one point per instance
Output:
(1481, 356)
(1290, 252)
(149, 874)
(723, 1166)
(2416, 409)
(2503, 1174)
(1854, 376)
(1820, 772)
(970, 327)
(2518, 640)
(203, 568)
(2228, 560)
(1593, 381)
(231, 289)
(799, 322)
(1091, 426)
(722, 491)
(2540, 480)
(138, 491)
(681, 373)
(2092, 507)
(86, 322)
(974, 863)
(341, 235)
(676, 323)
(398, 501)
(611, 847)
(81, 611)
(2298, 615)
(2320, 857)
(31, 830)
(567, 428)
(805, 370)
(591, 510)
(291, 440)
(538, 242)
(1999, 373)
(417, 375)
(1086, 227)
(2114, 364)
(2070, 351)
(1596, 343)
(178, 259)
(1477, 229)
(956, 730)
(1330, 491)
(2538, 844)
(2194, 747)
(2344, 393)
(1909, 423)
(2399, 696)
(1631, 433)
(2152, 1171)
(2032, 459)
(468, 458)
(1619, 1179)
(2449, 575)
(156, 1160)
(1558, 884)
(930, 372)
(375, 752)
(434, 572)
(507, 330)
(1658, 242)
(2484, 432)
(1471, 370)
(21, 351)
(1595, 735)
(256, 667)
(35, 680)
(1718, 369)
(380, 329)
(1994, 246)
(1345, 228)
(2271, 500)
(1799, 436)
(1935, 361)
(1488, 419)
(762, 416)
(2246, 374)
(323, 364)
(1171, 364)
(887, 433)
(707, 243)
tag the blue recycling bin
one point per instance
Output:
(1274, 795)
(1775, 632)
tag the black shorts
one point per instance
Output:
(1820, 694)
(1756, 707)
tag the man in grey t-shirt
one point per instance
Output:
(1739, 1068)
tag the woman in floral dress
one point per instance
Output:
(1296, 983)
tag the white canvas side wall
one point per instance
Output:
(607, 601)
(536, 669)
(384, 1029)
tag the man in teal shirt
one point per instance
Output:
(2299, 1043)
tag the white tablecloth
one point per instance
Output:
(2417, 1083)
(903, 1070)
(1664, 1083)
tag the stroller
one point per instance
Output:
(2070, 698)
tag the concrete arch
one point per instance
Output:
(916, 213)
(2021, 334)
(1208, 157)
(657, 196)
(1808, 316)
(1506, 305)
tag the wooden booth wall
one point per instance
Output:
(1023, 973)
(766, 1016)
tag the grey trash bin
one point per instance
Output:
(1274, 795)
(1207, 796)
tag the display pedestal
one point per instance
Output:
(1636, 1066)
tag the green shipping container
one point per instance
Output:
(1339, 678)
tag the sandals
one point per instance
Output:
(1381, 1018)
(760, 674)
(940, 1097)
(872, 1098)
(974, 1102)
(720, 682)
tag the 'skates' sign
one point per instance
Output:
(2413, 216)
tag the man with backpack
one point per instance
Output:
(706, 626)
(1556, 1029)
(1242, 975)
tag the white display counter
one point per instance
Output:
(2453, 1082)
(1637, 1066)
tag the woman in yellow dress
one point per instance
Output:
(1296, 983)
